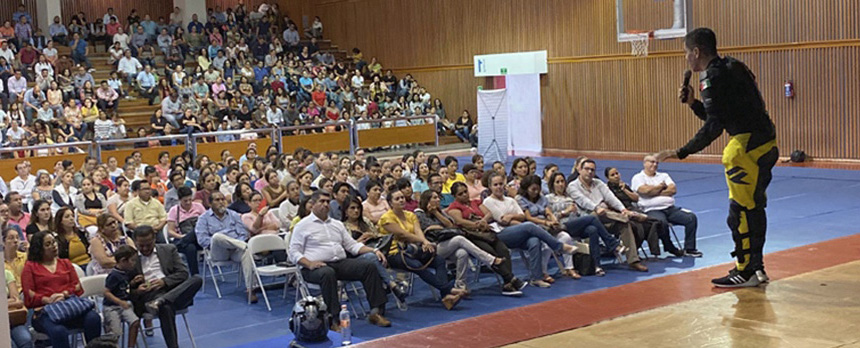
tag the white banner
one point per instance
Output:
(493, 125)
(524, 110)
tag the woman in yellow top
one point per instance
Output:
(15, 259)
(405, 227)
(71, 241)
(89, 111)
(452, 165)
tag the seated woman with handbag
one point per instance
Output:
(51, 289)
(412, 252)
(365, 232)
(467, 215)
(451, 243)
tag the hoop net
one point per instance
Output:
(640, 44)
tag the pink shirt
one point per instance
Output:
(269, 220)
(374, 212)
(177, 214)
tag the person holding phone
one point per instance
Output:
(261, 219)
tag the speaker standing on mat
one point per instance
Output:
(731, 101)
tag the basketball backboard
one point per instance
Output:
(641, 12)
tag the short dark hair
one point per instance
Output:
(136, 185)
(403, 183)
(183, 191)
(143, 231)
(431, 176)
(317, 194)
(704, 39)
(450, 159)
(338, 186)
(124, 252)
(588, 160)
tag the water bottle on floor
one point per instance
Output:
(345, 327)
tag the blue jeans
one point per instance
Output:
(589, 226)
(677, 216)
(21, 337)
(529, 236)
(437, 279)
(59, 333)
(383, 272)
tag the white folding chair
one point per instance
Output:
(79, 271)
(211, 265)
(263, 243)
(182, 312)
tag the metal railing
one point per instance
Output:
(95, 147)
(395, 119)
(76, 144)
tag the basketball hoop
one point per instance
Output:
(639, 43)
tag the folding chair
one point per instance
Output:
(303, 288)
(211, 265)
(150, 316)
(677, 240)
(269, 242)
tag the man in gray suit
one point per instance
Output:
(166, 285)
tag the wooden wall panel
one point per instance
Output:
(8, 7)
(98, 8)
(597, 98)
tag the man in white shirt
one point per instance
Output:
(23, 183)
(128, 67)
(593, 195)
(656, 198)
(319, 245)
(7, 52)
(274, 116)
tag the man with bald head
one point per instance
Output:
(326, 168)
(657, 199)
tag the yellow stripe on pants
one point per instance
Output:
(744, 230)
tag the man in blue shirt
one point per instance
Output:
(58, 31)
(222, 232)
(80, 50)
(195, 24)
(22, 12)
(149, 27)
(146, 80)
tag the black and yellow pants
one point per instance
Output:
(748, 173)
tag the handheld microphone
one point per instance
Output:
(686, 86)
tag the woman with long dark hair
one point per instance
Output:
(47, 279)
(71, 241)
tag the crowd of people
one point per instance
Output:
(350, 218)
(234, 69)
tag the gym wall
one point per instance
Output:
(596, 97)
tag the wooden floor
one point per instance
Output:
(815, 309)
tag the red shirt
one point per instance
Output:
(43, 283)
(277, 85)
(112, 28)
(319, 98)
(467, 210)
(372, 107)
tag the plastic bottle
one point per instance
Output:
(345, 327)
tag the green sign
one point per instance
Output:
(504, 71)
